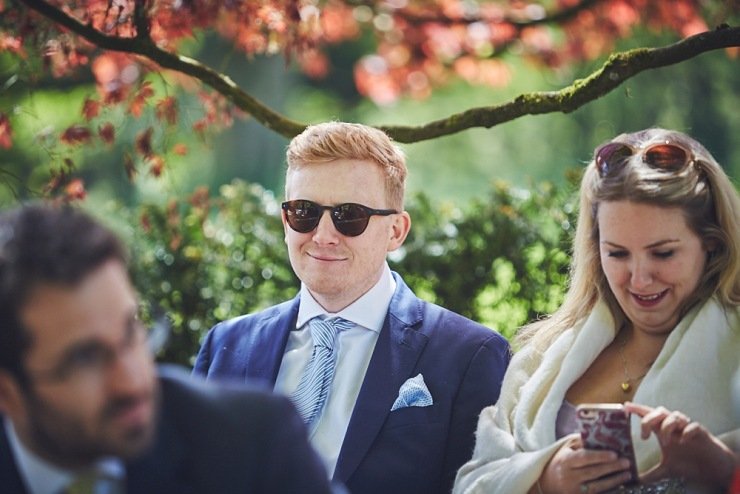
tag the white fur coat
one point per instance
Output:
(516, 437)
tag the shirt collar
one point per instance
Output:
(368, 311)
(40, 476)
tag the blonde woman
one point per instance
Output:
(651, 318)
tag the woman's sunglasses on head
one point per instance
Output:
(662, 156)
(349, 219)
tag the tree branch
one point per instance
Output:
(144, 46)
(141, 20)
(617, 69)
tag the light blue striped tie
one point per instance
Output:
(313, 388)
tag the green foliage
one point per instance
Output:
(210, 259)
(502, 261)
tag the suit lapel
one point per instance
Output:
(396, 352)
(10, 478)
(163, 467)
(269, 338)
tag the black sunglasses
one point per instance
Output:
(349, 219)
(663, 156)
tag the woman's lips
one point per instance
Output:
(650, 300)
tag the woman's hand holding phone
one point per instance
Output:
(600, 459)
(606, 426)
(576, 470)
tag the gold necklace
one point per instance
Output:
(627, 383)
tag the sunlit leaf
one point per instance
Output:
(156, 165)
(180, 149)
(75, 190)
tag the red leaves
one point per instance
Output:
(156, 165)
(420, 43)
(13, 44)
(166, 110)
(75, 134)
(144, 142)
(6, 132)
(200, 199)
(314, 64)
(338, 23)
(81, 134)
(145, 222)
(201, 202)
(90, 109)
(115, 74)
(139, 100)
(75, 190)
(180, 149)
(129, 166)
(144, 148)
(219, 112)
(63, 56)
(107, 133)
(490, 72)
(173, 222)
(417, 46)
(62, 185)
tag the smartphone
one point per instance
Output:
(607, 426)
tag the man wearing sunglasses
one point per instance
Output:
(83, 407)
(389, 385)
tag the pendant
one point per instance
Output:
(626, 386)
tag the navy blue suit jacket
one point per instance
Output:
(217, 440)
(410, 450)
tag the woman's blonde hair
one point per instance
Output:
(326, 142)
(703, 192)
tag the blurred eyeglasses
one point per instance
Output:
(90, 360)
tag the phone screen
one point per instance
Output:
(607, 426)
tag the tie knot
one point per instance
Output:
(82, 484)
(324, 331)
(94, 482)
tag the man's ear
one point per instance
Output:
(12, 402)
(399, 230)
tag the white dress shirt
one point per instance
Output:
(41, 477)
(354, 348)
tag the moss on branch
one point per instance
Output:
(618, 68)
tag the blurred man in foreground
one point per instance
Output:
(83, 407)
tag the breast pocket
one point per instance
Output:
(415, 416)
(411, 448)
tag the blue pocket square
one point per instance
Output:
(413, 393)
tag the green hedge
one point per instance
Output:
(501, 260)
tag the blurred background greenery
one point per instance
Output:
(493, 209)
